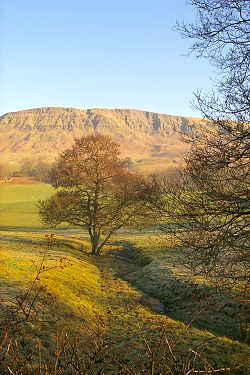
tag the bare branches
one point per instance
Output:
(222, 35)
(212, 203)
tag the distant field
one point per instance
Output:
(18, 204)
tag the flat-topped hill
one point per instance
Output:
(49, 130)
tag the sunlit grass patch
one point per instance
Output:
(18, 204)
(67, 283)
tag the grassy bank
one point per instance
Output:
(111, 293)
(88, 288)
(159, 272)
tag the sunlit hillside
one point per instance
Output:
(150, 139)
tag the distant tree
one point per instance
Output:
(27, 166)
(7, 171)
(36, 168)
(1, 170)
(94, 192)
(41, 169)
(127, 163)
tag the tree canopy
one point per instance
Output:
(94, 192)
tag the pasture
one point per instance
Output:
(124, 287)
(18, 205)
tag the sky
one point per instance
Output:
(98, 54)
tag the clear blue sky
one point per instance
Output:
(98, 53)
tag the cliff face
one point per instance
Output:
(51, 130)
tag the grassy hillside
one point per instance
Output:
(118, 295)
(88, 288)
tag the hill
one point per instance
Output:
(47, 131)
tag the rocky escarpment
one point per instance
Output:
(50, 130)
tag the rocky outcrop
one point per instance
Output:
(52, 129)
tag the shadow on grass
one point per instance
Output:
(184, 300)
(114, 298)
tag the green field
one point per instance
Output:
(136, 285)
(18, 204)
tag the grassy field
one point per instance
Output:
(87, 288)
(18, 204)
(137, 274)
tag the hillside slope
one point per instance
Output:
(86, 295)
(50, 130)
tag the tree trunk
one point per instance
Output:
(95, 239)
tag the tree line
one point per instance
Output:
(35, 168)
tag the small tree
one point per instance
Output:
(27, 166)
(7, 171)
(93, 191)
(127, 163)
(41, 169)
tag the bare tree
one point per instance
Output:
(7, 171)
(221, 34)
(27, 166)
(41, 169)
(210, 204)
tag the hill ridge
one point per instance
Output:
(93, 109)
(49, 130)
